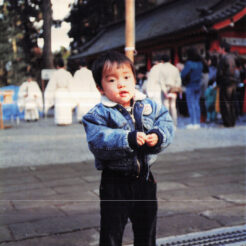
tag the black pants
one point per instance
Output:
(228, 104)
(125, 197)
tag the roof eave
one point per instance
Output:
(225, 23)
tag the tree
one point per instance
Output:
(47, 18)
(19, 51)
(11, 56)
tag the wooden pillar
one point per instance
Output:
(176, 56)
(130, 29)
(149, 62)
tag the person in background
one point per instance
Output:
(84, 90)
(243, 87)
(181, 99)
(227, 83)
(30, 99)
(141, 79)
(192, 73)
(58, 94)
(170, 85)
(153, 83)
(125, 132)
(213, 64)
(210, 97)
(212, 68)
(180, 66)
(240, 88)
(204, 85)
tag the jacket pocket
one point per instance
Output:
(148, 123)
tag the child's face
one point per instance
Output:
(118, 84)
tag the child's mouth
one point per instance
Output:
(123, 93)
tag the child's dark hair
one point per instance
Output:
(109, 59)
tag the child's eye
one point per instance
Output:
(110, 79)
(127, 77)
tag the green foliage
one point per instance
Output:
(18, 40)
(63, 53)
(11, 55)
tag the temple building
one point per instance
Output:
(174, 26)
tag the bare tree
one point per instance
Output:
(47, 18)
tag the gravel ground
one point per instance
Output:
(42, 142)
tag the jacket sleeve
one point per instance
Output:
(153, 82)
(163, 126)
(186, 70)
(178, 79)
(49, 93)
(104, 142)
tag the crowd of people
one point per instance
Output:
(213, 88)
(64, 92)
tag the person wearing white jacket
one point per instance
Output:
(84, 90)
(58, 94)
(163, 79)
(170, 86)
(153, 84)
(30, 99)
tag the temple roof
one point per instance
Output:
(165, 20)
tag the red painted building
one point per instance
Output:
(174, 26)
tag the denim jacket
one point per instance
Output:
(194, 69)
(108, 126)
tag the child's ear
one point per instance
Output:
(100, 90)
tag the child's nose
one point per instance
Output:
(121, 83)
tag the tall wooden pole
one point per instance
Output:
(130, 28)
(47, 17)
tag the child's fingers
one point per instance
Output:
(140, 142)
(141, 136)
(151, 143)
(151, 139)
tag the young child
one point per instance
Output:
(210, 98)
(124, 132)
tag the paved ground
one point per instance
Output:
(201, 184)
(42, 143)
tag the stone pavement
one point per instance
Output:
(42, 142)
(57, 205)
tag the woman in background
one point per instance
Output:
(192, 73)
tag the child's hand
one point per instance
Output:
(141, 136)
(151, 139)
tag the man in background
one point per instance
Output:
(170, 85)
(153, 85)
(227, 83)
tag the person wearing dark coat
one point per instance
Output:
(227, 83)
